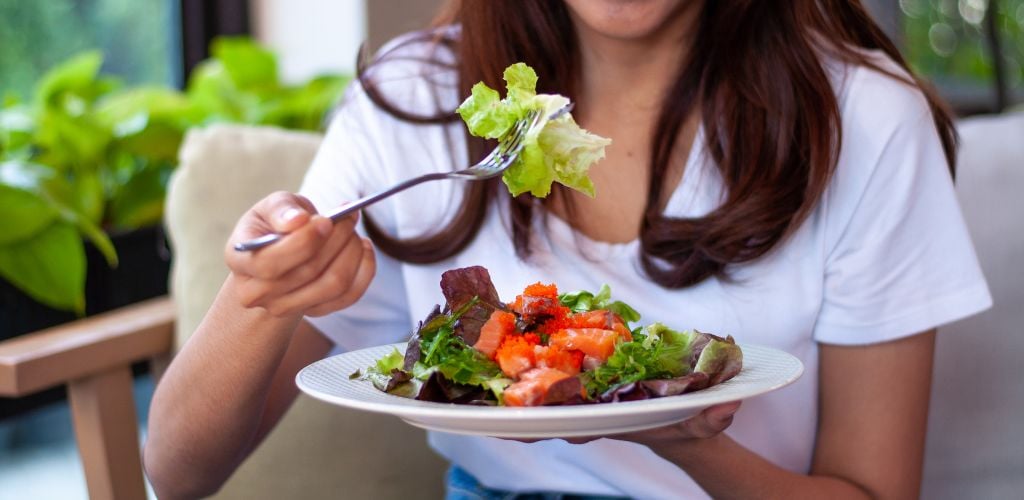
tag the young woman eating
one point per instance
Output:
(776, 174)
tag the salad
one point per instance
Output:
(557, 151)
(546, 348)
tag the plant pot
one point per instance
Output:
(141, 274)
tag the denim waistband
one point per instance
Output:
(461, 485)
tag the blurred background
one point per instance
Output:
(98, 95)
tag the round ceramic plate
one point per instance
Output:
(764, 370)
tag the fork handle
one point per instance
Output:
(346, 209)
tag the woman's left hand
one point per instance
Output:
(707, 424)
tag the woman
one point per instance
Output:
(775, 174)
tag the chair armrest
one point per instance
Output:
(40, 360)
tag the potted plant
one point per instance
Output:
(84, 166)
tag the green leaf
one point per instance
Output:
(584, 301)
(304, 108)
(554, 151)
(58, 199)
(570, 151)
(521, 82)
(77, 75)
(657, 352)
(17, 126)
(149, 121)
(530, 173)
(209, 80)
(485, 114)
(24, 213)
(250, 66)
(214, 93)
(89, 197)
(393, 361)
(99, 239)
(49, 267)
(71, 142)
(140, 201)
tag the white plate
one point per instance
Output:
(764, 370)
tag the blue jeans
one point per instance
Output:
(461, 485)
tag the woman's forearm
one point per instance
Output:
(750, 476)
(207, 408)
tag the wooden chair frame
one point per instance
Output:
(93, 358)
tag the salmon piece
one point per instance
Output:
(559, 359)
(515, 355)
(494, 331)
(620, 328)
(538, 302)
(596, 342)
(532, 386)
(601, 318)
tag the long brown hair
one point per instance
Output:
(769, 111)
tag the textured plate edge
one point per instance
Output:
(404, 411)
(603, 431)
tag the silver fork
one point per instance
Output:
(509, 147)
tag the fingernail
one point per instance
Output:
(290, 214)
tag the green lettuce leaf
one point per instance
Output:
(485, 114)
(584, 301)
(555, 151)
(656, 352)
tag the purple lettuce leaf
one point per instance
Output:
(433, 321)
(655, 388)
(721, 359)
(460, 287)
(440, 389)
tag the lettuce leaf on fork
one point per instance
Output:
(556, 151)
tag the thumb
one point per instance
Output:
(723, 413)
(286, 212)
(290, 218)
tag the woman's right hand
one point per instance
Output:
(318, 267)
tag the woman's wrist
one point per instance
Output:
(255, 318)
(685, 451)
(234, 290)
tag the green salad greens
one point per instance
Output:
(556, 151)
(546, 349)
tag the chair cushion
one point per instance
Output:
(317, 450)
(224, 170)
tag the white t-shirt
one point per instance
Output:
(883, 256)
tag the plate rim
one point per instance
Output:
(429, 409)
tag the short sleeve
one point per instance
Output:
(343, 170)
(902, 261)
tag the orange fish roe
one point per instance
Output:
(531, 338)
(535, 290)
(558, 322)
(515, 355)
(541, 290)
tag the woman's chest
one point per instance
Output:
(774, 301)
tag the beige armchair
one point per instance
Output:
(317, 451)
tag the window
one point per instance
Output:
(139, 39)
(973, 50)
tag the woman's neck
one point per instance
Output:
(635, 72)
